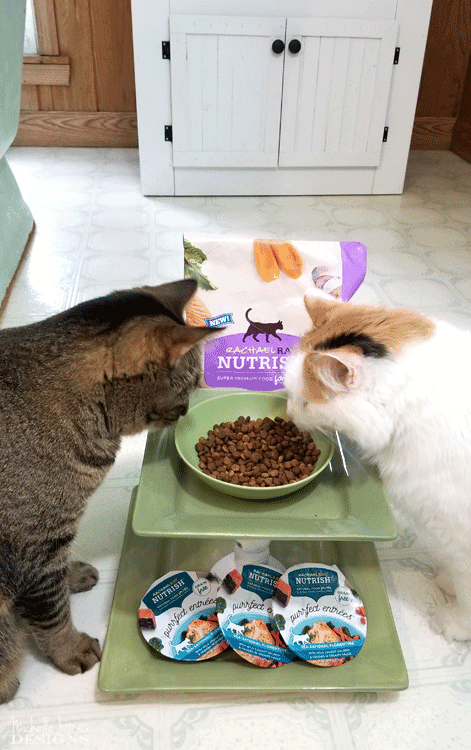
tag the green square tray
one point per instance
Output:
(128, 664)
(173, 502)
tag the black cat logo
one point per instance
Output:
(268, 329)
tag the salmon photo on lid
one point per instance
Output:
(320, 617)
(245, 613)
(177, 617)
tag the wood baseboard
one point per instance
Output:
(119, 130)
(461, 141)
(85, 129)
(432, 133)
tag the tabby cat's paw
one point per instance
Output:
(81, 656)
(452, 623)
(82, 577)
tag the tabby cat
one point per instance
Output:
(70, 387)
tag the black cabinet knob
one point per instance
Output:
(294, 46)
(278, 46)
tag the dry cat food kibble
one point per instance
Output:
(257, 453)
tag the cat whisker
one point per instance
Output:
(341, 453)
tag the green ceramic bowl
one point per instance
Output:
(204, 416)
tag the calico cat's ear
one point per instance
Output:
(318, 304)
(174, 296)
(339, 370)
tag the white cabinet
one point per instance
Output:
(277, 98)
(226, 91)
(336, 92)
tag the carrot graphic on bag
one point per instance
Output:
(273, 255)
(265, 260)
(196, 312)
(288, 259)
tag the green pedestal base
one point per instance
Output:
(16, 223)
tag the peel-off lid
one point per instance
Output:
(177, 617)
(245, 613)
(320, 617)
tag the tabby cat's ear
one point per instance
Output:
(339, 370)
(178, 340)
(146, 341)
(174, 296)
(318, 304)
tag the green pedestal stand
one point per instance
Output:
(16, 221)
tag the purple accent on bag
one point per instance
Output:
(231, 362)
(353, 267)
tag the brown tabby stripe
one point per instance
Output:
(52, 546)
(46, 604)
(49, 620)
(97, 462)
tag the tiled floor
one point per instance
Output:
(95, 232)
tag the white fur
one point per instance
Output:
(412, 416)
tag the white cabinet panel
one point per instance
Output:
(377, 10)
(226, 85)
(336, 92)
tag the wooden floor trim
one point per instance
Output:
(119, 130)
(86, 129)
(461, 141)
(432, 133)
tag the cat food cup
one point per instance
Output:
(245, 613)
(177, 617)
(320, 617)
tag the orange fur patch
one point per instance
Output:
(392, 327)
(314, 388)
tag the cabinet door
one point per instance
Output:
(336, 92)
(226, 85)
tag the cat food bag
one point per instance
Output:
(320, 617)
(177, 617)
(253, 289)
(245, 612)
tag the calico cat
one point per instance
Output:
(266, 329)
(397, 383)
(70, 387)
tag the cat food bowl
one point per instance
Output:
(228, 408)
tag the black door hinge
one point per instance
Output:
(397, 52)
(385, 134)
(168, 133)
(166, 50)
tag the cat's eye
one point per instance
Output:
(305, 404)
